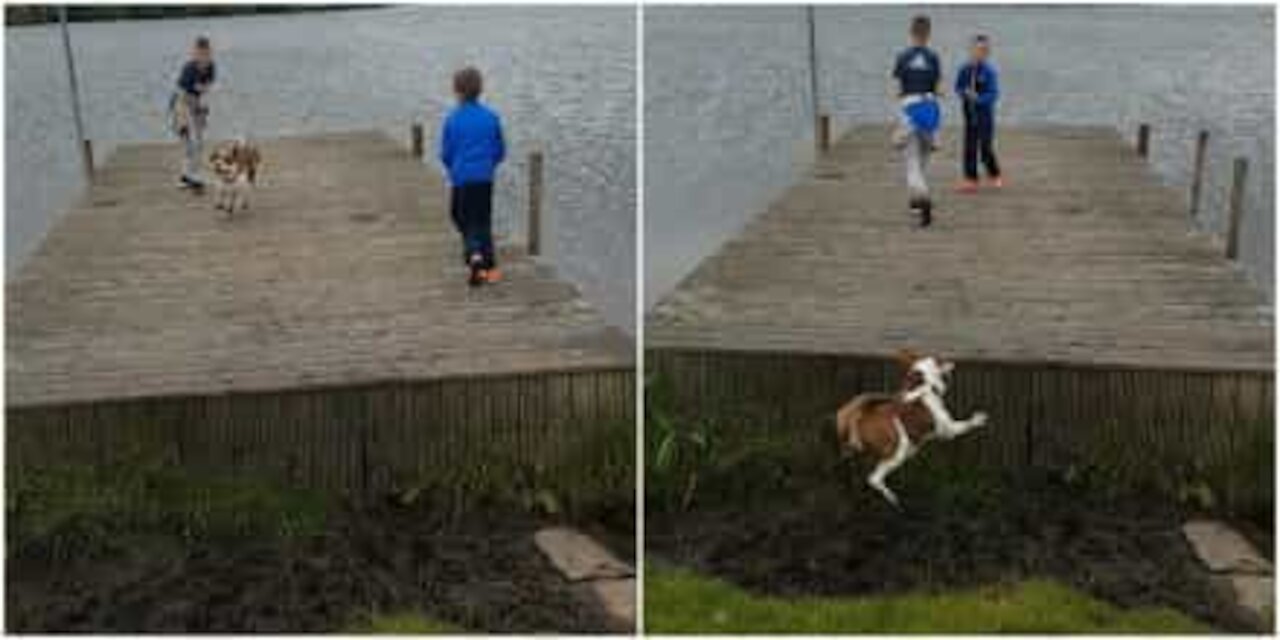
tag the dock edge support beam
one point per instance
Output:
(1197, 171)
(1235, 211)
(1144, 140)
(417, 140)
(534, 230)
(823, 133)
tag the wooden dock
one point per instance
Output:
(1082, 309)
(147, 311)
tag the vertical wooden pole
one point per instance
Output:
(824, 133)
(1144, 139)
(813, 78)
(86, 154)
(86, 150)
(1239, 172)
(1197, 176)
(535, 203)
(416, 140)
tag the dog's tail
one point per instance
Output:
(847, 419)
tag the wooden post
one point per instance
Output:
(86, 156)
(1197, 175)
(86, 152)
(535, 203)
(1239, 172)
(416, 140)
(823, 134)
(1144, 139)
(813, 60)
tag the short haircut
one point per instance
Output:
(468, 83)
(921, 27)
(202, 42)
(981, 38)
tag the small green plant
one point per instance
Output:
(677, 451)
(84, 509)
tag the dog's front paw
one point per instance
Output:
(979, 419)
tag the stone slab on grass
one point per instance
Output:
(579, 557)
(1223, 549)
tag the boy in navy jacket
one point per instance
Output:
(471, 148)
(190, 108)
(917, 76)
(978, 86)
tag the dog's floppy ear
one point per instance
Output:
(946, 366)
(906, 357)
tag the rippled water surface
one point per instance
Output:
(563, 79)
(727, 113)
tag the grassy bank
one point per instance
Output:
(680, 601)
(150, 548)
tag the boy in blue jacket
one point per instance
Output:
(917, 76)
(978, 86)
(471, 148)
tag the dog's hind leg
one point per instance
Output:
(900, 454)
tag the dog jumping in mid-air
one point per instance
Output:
(235, 163)
(893, 427)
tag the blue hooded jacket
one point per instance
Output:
(471, 144)
(982, 78)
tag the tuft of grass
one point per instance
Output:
(404, 623)
(680, 601)
(85, 505)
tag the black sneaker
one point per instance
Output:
(926, 212)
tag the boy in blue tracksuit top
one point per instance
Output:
(917, 74)
(978, 86)
(471, 148)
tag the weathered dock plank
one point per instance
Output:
(1083, 258)
(345, 271)
(326, 337)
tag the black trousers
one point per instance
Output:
(471, 207)
(979, 138)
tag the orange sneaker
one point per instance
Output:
(996, 182)
(967, 186)
(492, 276)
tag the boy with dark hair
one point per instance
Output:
(978, 86)
(917, 73)
(471, 148)
(190, 109)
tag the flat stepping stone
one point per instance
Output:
(598, 575)
(1256, 594)
(579, 557)
(1223, 550)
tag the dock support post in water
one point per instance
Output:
(1197, 176)
(1144, 140)
(1239, 172)
(824, 133)
(416, 140)
(535, 203)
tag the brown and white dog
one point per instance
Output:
(235, 163)
(893, 427)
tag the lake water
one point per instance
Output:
(563, 79)
(728, 124)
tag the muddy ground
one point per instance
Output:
(481, 572)
(841, 539)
